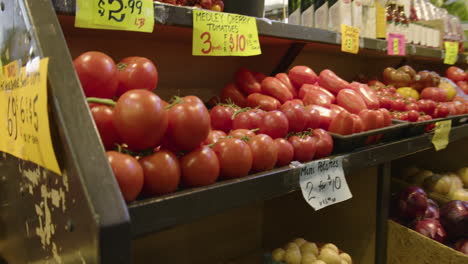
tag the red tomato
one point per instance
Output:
(104, 118)
(304, 147)
(264, 153)
(412, 106)
(128, 173)
(351, 101)
(259, 76)
(324, 143)
(376, 83)
(455, 74)
(297, 117)
(372, 119)
(313, 117)
(161, 173)
(300, 75)
(366, 93)
(140, 119)
(413, 116)
(451, 107)
(200, 167)
(309, 87)
(235, 157)
(397, 105)
(460, 107)
(426, 106)
(283, 77)
(274, 87)
(285, 152)
(246, 81)
(317, 98)
(326, 115)
(387, 117)
(221, 118)
(241, 132)
(433, 93)
(330, 81)
(248, 120)
(136, 73)
(265, 102)
(189, 123)
(97, 73)
(214, 136)
(293, 102)
(385, 101)
(440, 111)
(358, 125)
(275, 124)
(463, 86)
(231, 93)
(342, 124)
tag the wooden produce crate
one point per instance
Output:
(407, 246)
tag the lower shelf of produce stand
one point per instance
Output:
(188, 205)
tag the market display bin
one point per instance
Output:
(407, 246)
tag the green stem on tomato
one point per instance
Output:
(103, 101)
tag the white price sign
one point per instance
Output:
(323, 183)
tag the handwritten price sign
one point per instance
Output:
(130, 15)
(396, 44)
(323, 183)
(24, 120)
(223, 34)
(349, 39)
(451, 52)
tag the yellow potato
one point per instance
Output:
(309, 247)
(278, 254)
(463, 173)
(346, 257)
(343, 262)
(331, 246)
(291, 245)
(292, 256)
(329, 256)
(438, 183)
(318, 261)
(308, 258)
(299, 241)
(420, 177)
(460, 194)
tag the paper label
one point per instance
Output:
(307, 17)
(396, 44)
(440, 139)
(129, 15)
(24, 118)
(323, 183)
(349, 39)
(451, 52)
(224, 34)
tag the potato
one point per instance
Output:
(299, 241)
(463, 173)
(460, 194)
(309, 247)
(291, 245)
(438, 183)
(409, 172)
(329, 256)
(278, 254)
(343, 261)
(420, 177)
(346, 257)
(456, 182)
(318, 261)
(292, 256)
(331, 246)
(308, 258)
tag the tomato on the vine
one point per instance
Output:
(285, 152)
(162, 173)
(241, 132)
(235, 157)
(297, 117)
(264, 152)
(128, 172)
(248, 120)
(221, 117)
(136, 73)
(214, 136)
(275, 124)
(304, 147)
(200, 167)
(324, 143)
(104, 118)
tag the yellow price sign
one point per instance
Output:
(130, 15)
(349, 39)
(24, 120)
(440, 139)
(451, 52)
(224, 34)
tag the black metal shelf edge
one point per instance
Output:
(159, 213)
(182, 17)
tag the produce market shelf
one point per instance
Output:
(159, 213)
(182, 17)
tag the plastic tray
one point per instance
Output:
(418, 128)
(351, 142)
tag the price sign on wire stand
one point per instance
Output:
(323, 183)
(129, 15)
(440, 139)
(349, 39)
(396, 44)
(24, 118)
(224, 34)
(451, 52)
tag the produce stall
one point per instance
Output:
(173, 157)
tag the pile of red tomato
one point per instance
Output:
(458, 76)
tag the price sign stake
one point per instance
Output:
(451, 52)
(396, 44)
(24, 119)
(224, 34)
(129, 15)
(323, 183)
(349, 39)
(440, 139)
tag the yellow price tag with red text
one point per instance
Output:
(129, 15)
(451, 52)
(440, 139)
(24, 118)
(349, 39)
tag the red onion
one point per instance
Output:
(462, 245)
(412, 203)
(431, 202)
(432, 212)
(454, 218)
(432, 229)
